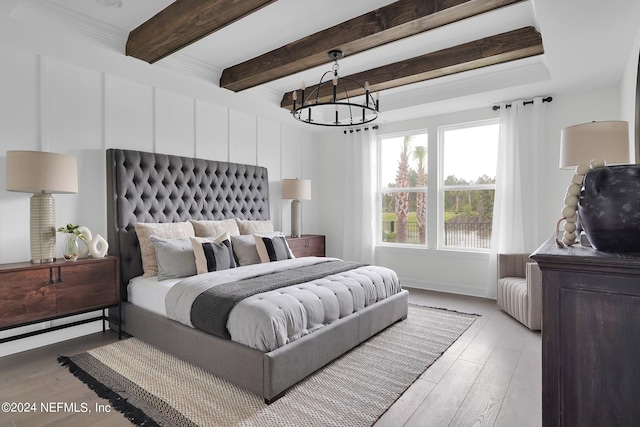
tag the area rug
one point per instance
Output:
(152, 387)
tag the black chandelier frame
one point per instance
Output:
(311, 100)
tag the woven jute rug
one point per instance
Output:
(152, 387)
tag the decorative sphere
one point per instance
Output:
(577, 179)
(574, 189)
(571, 200)
(582, 169)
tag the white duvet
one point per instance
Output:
(272, 319)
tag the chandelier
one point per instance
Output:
(339, 109)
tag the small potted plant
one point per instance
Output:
(72, 234)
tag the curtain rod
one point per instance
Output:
(359, 129)
(547, 99)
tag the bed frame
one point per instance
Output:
(150, 187)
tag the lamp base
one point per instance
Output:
(42, 228)
(296, 218)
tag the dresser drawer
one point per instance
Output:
(84, 287)
(26, 296)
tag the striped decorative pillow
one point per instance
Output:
(272, 248)
(213, 254)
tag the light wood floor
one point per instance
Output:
(491, 376)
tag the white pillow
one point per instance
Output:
(251, 227)
(208, 228)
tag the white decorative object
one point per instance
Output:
(570, 210)
(88, 237)
(98, 247)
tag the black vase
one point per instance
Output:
(609, 208)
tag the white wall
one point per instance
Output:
(628, 91)
(54, 105)
(455, 271)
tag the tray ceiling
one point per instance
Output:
(416, 53)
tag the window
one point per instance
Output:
(402, 183)
(469, 155)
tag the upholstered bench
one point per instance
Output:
(520, 289)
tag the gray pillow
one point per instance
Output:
(244, 248)
(175, 257)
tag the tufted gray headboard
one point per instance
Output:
(150, 187)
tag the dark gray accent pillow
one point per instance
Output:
(175, 257)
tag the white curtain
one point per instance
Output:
(516, 221)
(359, 227)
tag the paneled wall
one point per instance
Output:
(50, 105)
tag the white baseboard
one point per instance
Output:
(451, 288)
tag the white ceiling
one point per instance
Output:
(587, 44)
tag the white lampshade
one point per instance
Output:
(582, 143)
(296, 189)
(41, 172)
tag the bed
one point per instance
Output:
(151, 188)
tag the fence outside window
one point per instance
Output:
(476, 235)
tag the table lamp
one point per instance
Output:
(296, 189)
(609, 141)
(42, 174)
(599, 195)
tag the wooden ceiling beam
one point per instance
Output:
(509, 46)
(403, 18)
(184, 22)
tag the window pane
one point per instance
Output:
(402, 159)
(398, 229)
(403, 164)
(467, 218)
(470, 155)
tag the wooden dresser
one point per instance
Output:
(590, 336)
(307, 245)
(32, 293)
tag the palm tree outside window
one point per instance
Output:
(403, 189)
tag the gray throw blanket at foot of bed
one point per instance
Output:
(225, 296)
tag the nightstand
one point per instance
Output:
(307, 245)
(33, 293)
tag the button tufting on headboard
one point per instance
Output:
(150, 187)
